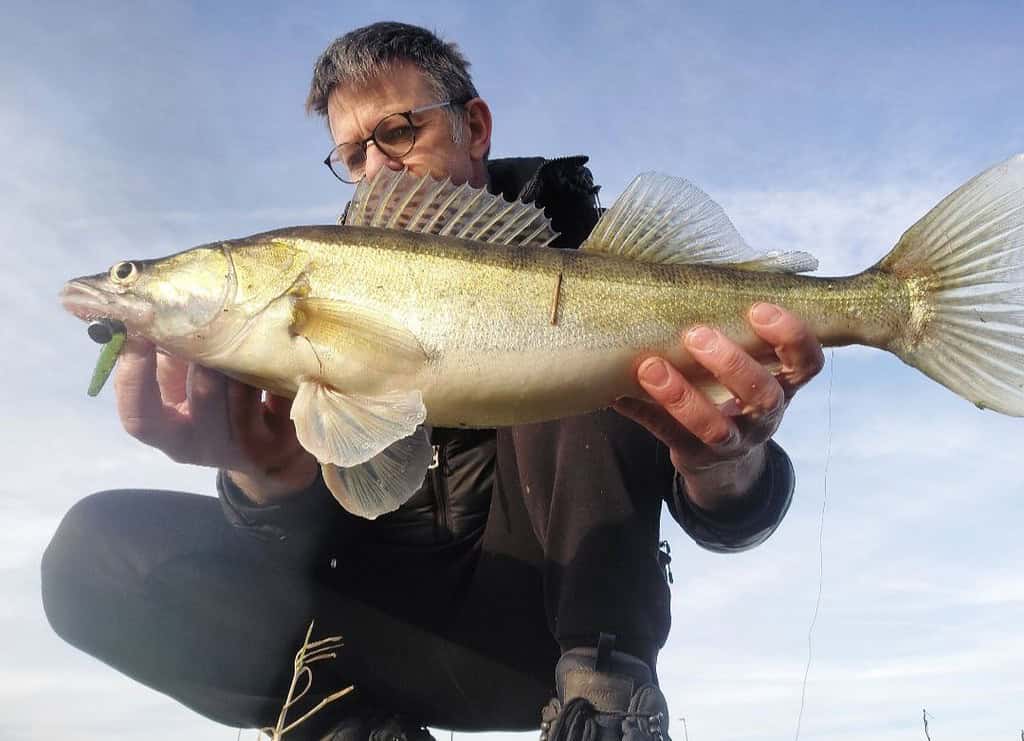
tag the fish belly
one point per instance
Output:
(496, 390)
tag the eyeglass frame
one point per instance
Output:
(407, 115)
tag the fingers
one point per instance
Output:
(655, 419)
(237, 430)
(209, 416)
(687, 413)
(247, 417)
(198, 415)
(171, 376)
(696, 430)
(279, 406)
(277, 414)
(139, 402)
(758, 394)
(795, 345)
(267, 446)
(227, 420)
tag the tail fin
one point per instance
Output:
(964, 263)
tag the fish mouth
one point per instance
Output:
(89, 303)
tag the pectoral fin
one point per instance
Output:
(350, 429)
(384, 482)
(358, 332)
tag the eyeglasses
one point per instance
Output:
(394, 135)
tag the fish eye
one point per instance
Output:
(124, 272)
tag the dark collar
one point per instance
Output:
(563, 186)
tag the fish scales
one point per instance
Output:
(482, 314)
(470, 297)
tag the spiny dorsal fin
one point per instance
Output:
(401, 200)
(669, 220)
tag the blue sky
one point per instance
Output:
(137, 130)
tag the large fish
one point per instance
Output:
(440, 305)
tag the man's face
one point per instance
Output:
(352, 113)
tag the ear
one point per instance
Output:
(478, 118)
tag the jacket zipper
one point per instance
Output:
(438, 471)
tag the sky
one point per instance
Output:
(136, 130)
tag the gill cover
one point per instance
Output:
(185, 292)
(257, 271)
(263, 268)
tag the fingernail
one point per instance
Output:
(654, 373)
(765, 314)
(702, 338)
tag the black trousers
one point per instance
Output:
(465, 636)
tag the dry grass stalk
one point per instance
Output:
(306, 655)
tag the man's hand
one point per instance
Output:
(720, 451)
(197, 415)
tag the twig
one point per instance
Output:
(554, 299)
(924, 719)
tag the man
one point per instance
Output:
(526, 565)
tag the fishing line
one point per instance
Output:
(821, 547)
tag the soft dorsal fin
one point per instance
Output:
(663, 219)
(401, 200)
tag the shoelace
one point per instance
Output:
(576, 722)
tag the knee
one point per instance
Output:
(77, 560)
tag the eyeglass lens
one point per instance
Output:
(394, 136)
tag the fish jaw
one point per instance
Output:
(85, 300)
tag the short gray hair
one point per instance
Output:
(365, 54)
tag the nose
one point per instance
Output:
(376, 159)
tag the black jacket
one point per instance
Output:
(454, 500)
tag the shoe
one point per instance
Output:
(379, 728)
(604, 695)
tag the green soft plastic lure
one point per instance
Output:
(108, 357)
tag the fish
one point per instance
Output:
(442, 305)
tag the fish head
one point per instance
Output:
(171, 301)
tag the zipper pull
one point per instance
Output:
(665, 559)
